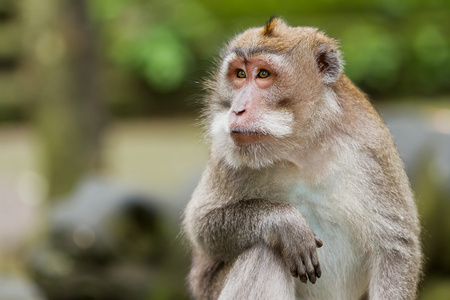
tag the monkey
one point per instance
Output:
(303, 182)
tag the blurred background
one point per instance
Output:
(100, 147)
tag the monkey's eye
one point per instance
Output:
(241, 73)
(263, 74)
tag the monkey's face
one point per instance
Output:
(268, 96)
(255, 116)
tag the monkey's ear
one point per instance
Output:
(329, 63)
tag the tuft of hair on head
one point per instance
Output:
(270, 26)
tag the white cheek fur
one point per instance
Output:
(277, 123)
(219, 124)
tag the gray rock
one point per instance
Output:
(17, 288)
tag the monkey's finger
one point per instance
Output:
(319, 242)
(304, 278)
(318, 271)
(315, 262)
(310, 270)
(293, 271)
(301, 271)
(292, 267)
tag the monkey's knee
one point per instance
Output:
(206, 278)
(259, 273)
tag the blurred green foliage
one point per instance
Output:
(437, 289)
(155, 52)
(390, 47)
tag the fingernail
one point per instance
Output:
(304, 279)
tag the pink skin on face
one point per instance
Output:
(252, 78)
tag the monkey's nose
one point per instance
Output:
(239, 112)
(236, 115)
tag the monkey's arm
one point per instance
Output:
(225, 232)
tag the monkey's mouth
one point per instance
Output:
(242, 136)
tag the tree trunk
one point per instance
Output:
(69, 112)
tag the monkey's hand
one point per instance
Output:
(298, 246)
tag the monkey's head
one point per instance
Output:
(272, 94)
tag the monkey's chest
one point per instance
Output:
(341, 257)
(315, 205)
(326, 215)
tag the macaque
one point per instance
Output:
(303, 182)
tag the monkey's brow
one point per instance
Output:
(246, 53)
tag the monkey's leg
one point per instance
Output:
(207, 276)
(259, 273)
(394, 276)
